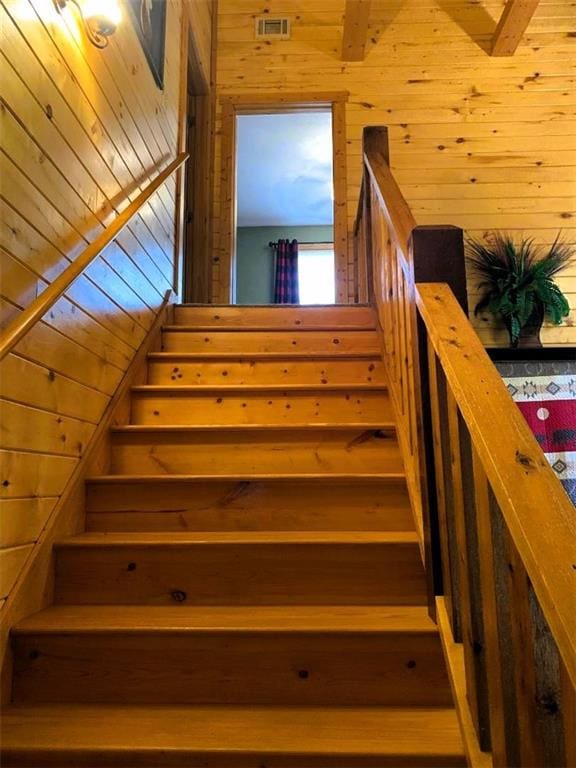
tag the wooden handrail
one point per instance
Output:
(539, 515)
(537, 511)
(19, 327)
(498, 532)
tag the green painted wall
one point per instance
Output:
(255, 261)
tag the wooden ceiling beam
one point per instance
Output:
(356, 19)
(512, 25)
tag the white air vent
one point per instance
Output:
(278, 29)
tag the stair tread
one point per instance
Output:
(249, 388)
(253, 478)
(65, 619)
(267, 730)
(279, 307)
(313, 538)
(267, 328)
(287, 355)
(304, 427)
(356, 328)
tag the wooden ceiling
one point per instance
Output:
(507, 36)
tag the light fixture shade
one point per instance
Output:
(103, 15)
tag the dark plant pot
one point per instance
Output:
(530, 333)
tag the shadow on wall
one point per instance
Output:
(473, 19)
(382, 15)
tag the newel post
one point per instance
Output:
(375, 139)
(437, 254)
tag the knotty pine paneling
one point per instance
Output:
(200, 14)
(82, 133)
(475, 141)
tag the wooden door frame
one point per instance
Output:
(181, 147)
(268, 103)
(195, 278)
(197, 259)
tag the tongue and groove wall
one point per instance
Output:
(81, 130)
(479, 142)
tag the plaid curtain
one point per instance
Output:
(286, 284)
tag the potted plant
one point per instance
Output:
(517, 283)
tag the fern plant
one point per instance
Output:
(517, 281)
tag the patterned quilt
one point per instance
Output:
(548, 402)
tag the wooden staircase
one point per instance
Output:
(249, 590)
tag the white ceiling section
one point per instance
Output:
(284, 172)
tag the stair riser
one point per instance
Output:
(231, 668)
(277, 317)
(274, 342)
(248, 506)
(260, 452)
(262, 372)
(265, 408)
(241, 574)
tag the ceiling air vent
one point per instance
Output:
(277, 29)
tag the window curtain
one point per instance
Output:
(286, 280)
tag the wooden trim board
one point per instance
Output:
(180, 191)
(303, 99)
(199, 82)
(268, 103)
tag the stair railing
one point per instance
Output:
(19, 327)
(498, 532)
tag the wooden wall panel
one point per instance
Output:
(82, 133)
(200, 15)
(476, 141)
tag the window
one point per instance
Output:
(316, 273)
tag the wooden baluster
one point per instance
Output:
(375, 244)
(505, 619)
(416, 424)
(397, 287)
(547, 703)
(387, 297)
(386, 286)
(388, 292)
(443, 489)
(390, 269)
(368, 256)
(360, 247)
(467, 563)
(379, 249)
(483, 502)
(402, 351)
(409, 389)
(530, 745)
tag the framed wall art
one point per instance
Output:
(149, 17)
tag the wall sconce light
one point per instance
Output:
(100, 18)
